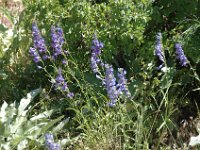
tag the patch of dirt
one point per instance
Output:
(15, 7)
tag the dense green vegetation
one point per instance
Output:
(99, 74)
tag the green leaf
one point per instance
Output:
(2, 28)
(17, 126)
(60, 125)
(34, 131)
(161, 126)
(25, 101)
(3, 112)
(197, 89)
(50, 124)
(2, 128)
(22, 145)
(45, 114)
(16, 140)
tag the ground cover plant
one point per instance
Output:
(99, 74)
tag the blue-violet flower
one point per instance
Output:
(49, 140)
(122, 83)
(158, 47)
(57, 39)
(110, 83)
(180, 55)
(39, 43)
(36, 57)
(61, 84)
(96, 51)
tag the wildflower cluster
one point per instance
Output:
(35, 55)
(110, 83)
(61, 84)
(39, 50)
(114, 89)
(57, 39)
(158, 50)
(96, 51)
(50, 142)
(180, 55)
(122, 83)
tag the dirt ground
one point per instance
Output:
(13, 6)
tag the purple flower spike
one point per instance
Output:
(70, 95)
(113, 90)
(49, 137)
(112, 104)
(39, 51)
(110, 83)
(57, 39)
(96, 51)
(96, 46)
(158, 48)
(94, 64)
(122, 83)
(61, 84)
(49, 140)
(36, 57)
(60, 77)
(64, 62)
(45, 57)
(39, 42)
(180, 55)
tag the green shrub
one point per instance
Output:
(120, 24)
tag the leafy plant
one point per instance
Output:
(19, 130)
